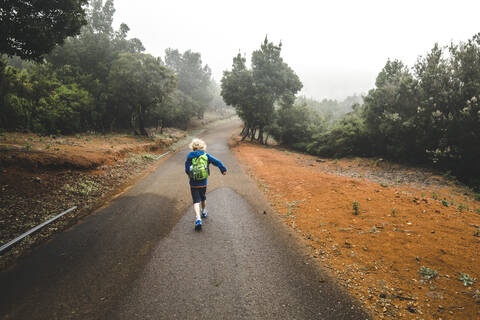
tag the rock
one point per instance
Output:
(320, 160)
(37, 179)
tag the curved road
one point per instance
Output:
(139, 258)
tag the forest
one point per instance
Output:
(83, 75)
(427, 114)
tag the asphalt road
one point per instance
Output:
(140, 258)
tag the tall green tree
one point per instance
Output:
(30, 29)
(87, 59)
(255, 92)
(137, 83)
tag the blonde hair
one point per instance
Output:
(198, 144)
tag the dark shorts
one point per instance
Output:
(198, 194)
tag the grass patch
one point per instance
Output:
(84, 187)
(149, 156)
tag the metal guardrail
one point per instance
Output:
(20, 237)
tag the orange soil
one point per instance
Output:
(79, 152)
(378, 253)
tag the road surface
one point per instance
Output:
(140, 258)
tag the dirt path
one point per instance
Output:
(140, 258)
(398, 238)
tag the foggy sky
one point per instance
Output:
(336, 47)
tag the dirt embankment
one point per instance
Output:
(404, 241)
(41, 176)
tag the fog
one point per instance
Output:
(336, 47)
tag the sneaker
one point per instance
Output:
(204, 213)
(198, 224)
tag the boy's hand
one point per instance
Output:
(224, 172)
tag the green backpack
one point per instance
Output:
(199, 169)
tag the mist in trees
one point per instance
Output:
(193, 78)
(425, 114)
(100, 80)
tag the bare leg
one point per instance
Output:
(196, 208)
(204, 204)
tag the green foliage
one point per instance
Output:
(30, 29)
(428, 114)
(149, 157)
(254, 92)
(137, 83)
(445, 202)
(194, 79)
(85, 187)
(466, 279)
(100, 81)
(343, 138)
(427, 273)
(295, 125)
(356, 208)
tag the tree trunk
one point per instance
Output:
(133, 123)
(243, 130)
(260, 135)
(253, 133)
(141, 123)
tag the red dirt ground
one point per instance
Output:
(43, 176)
(400, 227)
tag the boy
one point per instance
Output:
(196, 166)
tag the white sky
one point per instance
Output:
(336, 47)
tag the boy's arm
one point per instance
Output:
(216, 163)
(188, 163)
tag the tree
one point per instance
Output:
(255, 92)
(390, 110)
(194, 79)
(137, 83)
(87, 59)
(30, 29)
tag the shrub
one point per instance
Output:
(427, 273)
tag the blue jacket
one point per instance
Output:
(211, 160)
